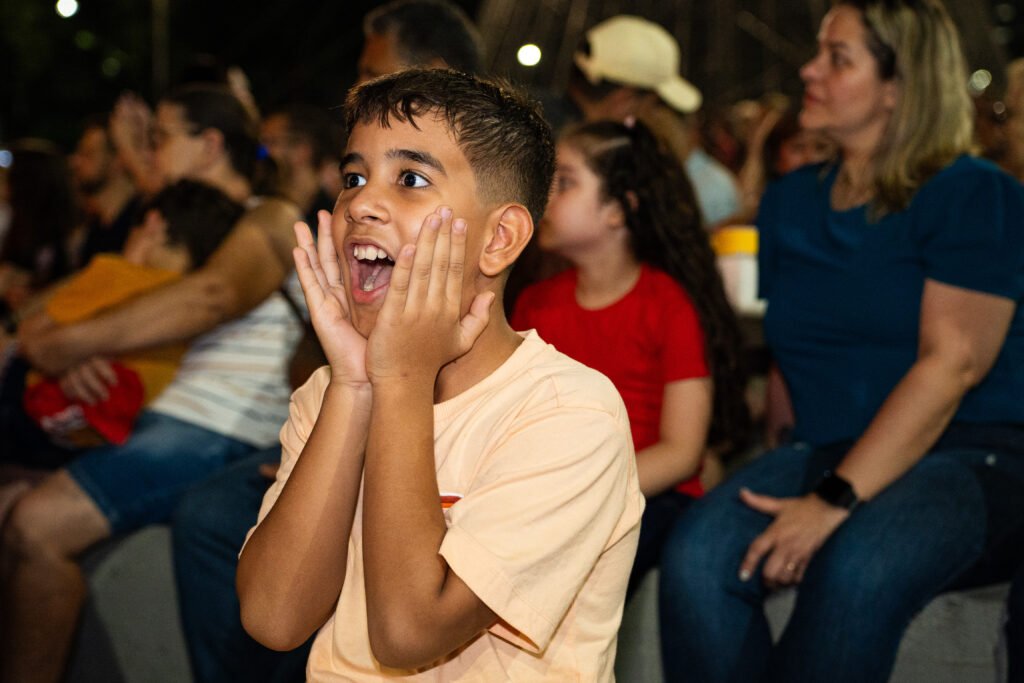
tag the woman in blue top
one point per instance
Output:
(893, 277)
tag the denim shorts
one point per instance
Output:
(141, 481)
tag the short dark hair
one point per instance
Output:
(313, 125)
(211, 105)
(198, 217)
(501, 131)
(429, 29)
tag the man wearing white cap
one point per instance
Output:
(629, 66)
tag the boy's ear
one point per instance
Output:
(511, 234)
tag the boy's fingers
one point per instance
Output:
(475, 322)
(305, 241)
(326, 252)
(441, 256)
(311, 286)
(401, 274)
(419, 281)
(456, 264)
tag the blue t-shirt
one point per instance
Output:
(844, 293)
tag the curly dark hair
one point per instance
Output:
(665, 228)
(501, 131)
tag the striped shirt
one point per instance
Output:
(234, 379)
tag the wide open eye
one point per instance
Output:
(351, 180)
(412, 179)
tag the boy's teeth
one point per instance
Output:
(368, 252)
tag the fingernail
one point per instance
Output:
(409, 249)
(459, 225)
(446, 212)
(744, 575)
(435, 221)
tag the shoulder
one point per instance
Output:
(553, 380)
(271, 213)
(964, 175)
(549, 291)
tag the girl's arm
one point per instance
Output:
(685, 418)
(961, 334)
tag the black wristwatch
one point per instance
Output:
(836, 491)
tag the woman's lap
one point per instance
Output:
(141, 481)
(889, 558)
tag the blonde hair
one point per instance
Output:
(916, 42)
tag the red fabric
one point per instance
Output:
(112, 419)
(650, 337)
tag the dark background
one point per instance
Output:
(56, 71)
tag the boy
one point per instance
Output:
(180, 227)
(465, 506)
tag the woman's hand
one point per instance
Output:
(319, 272)
(801, 527)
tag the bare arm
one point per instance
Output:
(249, 266)
(418, 609)
(685, 418)
(293, 567)
(961, 333)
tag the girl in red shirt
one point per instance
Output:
(643, 304)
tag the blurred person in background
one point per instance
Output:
(628, 66)
(228, 398)
(212, 520)
(893, 277)
(109, 198)
(302, 141)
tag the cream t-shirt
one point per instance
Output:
(537, 476)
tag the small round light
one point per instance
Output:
(67, 8)
(111, 67)
(6, 158)
(980, 80)
(529, 55)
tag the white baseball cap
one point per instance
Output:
(639, 53)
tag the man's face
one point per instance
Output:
(92, 161)
(380, 57)
(393, 178)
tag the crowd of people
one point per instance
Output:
(384, 452)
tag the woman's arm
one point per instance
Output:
(685, 418)
(961, 334)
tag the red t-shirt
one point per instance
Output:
(643, 341)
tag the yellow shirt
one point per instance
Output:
(539, 461)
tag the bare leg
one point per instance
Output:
(41, 585)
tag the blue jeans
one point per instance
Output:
(208, 529)
(861, 589)
(140, 481)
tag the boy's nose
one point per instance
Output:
(367, 204)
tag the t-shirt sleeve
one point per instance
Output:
(530, 533)
(971, 230)
(303, 411)
(683, 354)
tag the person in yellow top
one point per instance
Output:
(180, 227)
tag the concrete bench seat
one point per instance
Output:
(131, 632)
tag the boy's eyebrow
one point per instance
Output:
(418, 157)
(413, 155)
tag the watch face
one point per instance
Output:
(836, 491)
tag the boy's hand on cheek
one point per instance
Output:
(320, 275)
(421, 327)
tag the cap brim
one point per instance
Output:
(681, 95)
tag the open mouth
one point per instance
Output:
(372, 267)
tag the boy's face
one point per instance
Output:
(392, 179)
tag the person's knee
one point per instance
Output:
(27, 533)
(705, 547)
